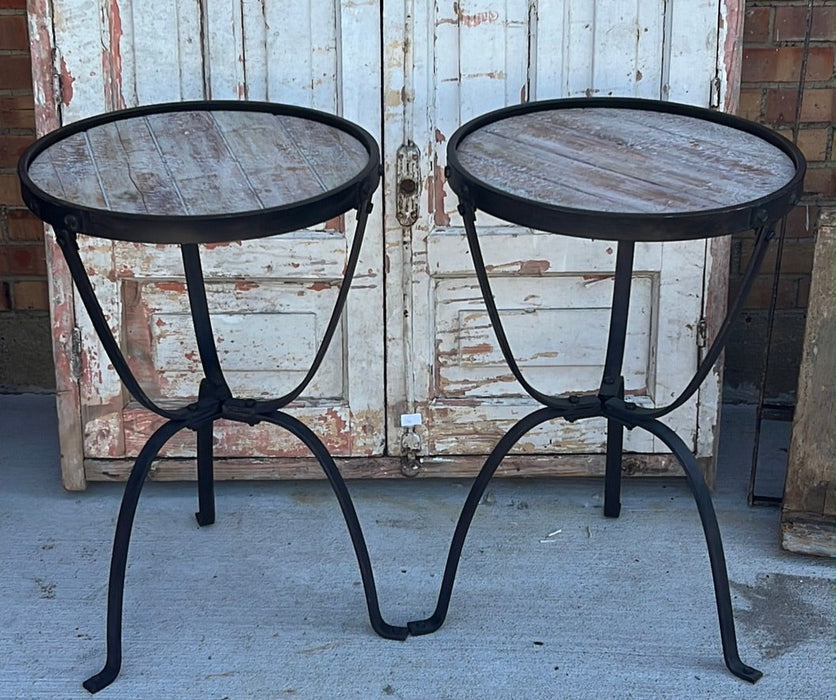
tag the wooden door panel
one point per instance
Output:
(270, 299)
(557, 327)
(266, 334)
(553, 292)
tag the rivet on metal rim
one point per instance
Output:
(72, 223)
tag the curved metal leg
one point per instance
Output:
(714, 543)
(314, 444)
(119, 558)
(520, 428)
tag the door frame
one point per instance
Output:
(49, 86)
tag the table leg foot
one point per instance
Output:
(741, 670)
(119, 556)
(102, 679)
(326, 461)
(204, 519)
(714, 543)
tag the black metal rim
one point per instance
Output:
(150, 228)
(624, 226)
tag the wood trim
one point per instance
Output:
(808, 533)
(578, 466)
(730, 48)
(808, 524)
(62, 306)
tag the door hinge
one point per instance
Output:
(410, 452)
(408, 183)
(714, 92)
(702, 333)
(75, 353)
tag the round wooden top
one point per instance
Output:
(199, 172)
(630, 169)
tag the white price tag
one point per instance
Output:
(410, 420)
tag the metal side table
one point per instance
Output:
(625, 170)
(188, 174)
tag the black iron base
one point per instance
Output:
(608, 403)
(215, 401)
(206, 516)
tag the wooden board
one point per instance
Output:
(576, 465)
(808, 514)
(624, 160)
(198, 163)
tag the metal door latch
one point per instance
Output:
(410, 453)
(408, 183)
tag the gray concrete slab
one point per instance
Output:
(552, 600)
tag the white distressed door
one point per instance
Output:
(409, 71)
(459, 60)
(270, 299)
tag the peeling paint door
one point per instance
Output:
(409, 71)
(455, 61)
(270, 299)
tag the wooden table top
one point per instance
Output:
(629, 161)
(198, 163)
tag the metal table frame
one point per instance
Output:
(215, 399)
(609, 402)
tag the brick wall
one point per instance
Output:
(772, 56)
(25, 345)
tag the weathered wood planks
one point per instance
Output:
(624, 160)
(198, 163)
(808, 514)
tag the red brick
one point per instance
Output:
(30, 295)
(761, 292)
(25, 260)
(17, 112)
(817, 105)
(814, 143)
(796, 257)
(783, 65)
(750, 104)
(5, 297)
(820, 181)
(756, 25)
(791, 23)
(13, 5)
(24, 226)
(801, 221)
(10, 190)
(15, 72)
(13, 33)
(11, 148)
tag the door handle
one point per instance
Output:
(408, 183)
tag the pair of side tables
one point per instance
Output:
(194, 173)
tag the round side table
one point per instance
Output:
(187, 174)
(625, 170)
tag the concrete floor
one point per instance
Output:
(552, 600)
